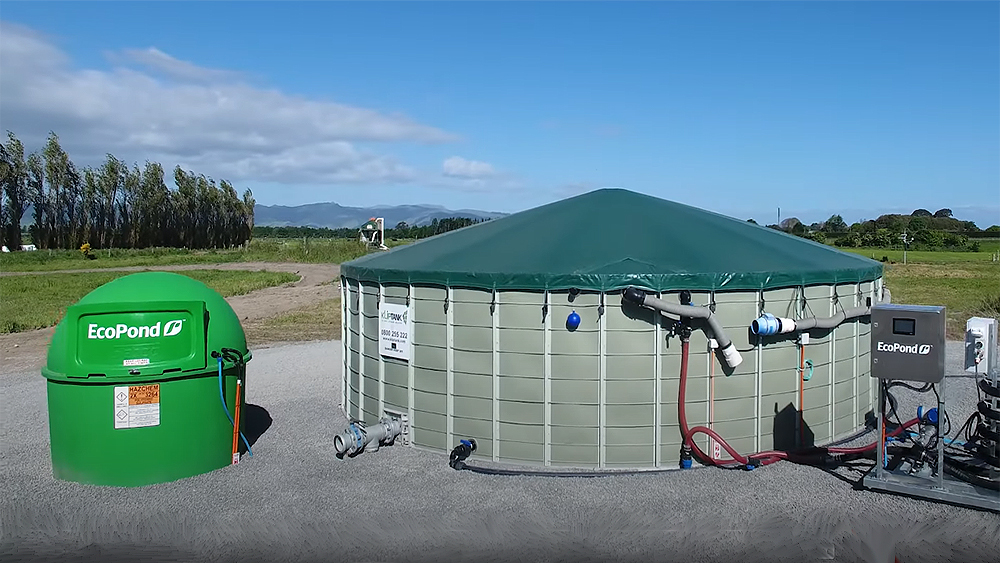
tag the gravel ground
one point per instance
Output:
(296, 501)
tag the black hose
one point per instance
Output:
(987, 411)
(814, 456)
(952, 467)
(465, 448)
(988, 388)
(462, 466)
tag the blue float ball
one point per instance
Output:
(573, 321)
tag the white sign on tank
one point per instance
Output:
(394, 330)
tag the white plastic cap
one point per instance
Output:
(732, 356)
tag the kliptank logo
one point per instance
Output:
(395, 317)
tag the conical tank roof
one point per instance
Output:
(610, 239)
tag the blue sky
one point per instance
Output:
(737, 107)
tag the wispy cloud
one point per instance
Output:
(458, 167)
(158, 61)
(209, 120)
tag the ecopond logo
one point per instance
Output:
(170, 328)
(921, 349)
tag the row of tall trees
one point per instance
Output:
(115, 205)
(436, 227)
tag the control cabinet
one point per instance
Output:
(908, 342)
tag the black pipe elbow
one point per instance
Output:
(634, 295)
(461, 452)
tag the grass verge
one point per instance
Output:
(314, 251)
(40, 301)
(320, 321)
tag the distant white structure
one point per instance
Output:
(27, 247)
(372, 233)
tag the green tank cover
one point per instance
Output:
(610, 239)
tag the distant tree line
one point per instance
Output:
(400, 231)
(115, 205)
(303, 232)
(920, 230)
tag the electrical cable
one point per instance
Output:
(237, 359)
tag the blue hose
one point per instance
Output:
(222, 397)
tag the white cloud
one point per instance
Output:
(458, 167)
(207, 120)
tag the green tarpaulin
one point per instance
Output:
(610, 239)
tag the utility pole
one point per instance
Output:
(906, 241)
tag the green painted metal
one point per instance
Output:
(610, 239)
(149, 335)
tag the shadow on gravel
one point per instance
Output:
(258, 420)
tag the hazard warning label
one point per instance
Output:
(137, 406)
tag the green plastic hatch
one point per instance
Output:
(134, 393)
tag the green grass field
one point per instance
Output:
(924, 256)
(967, 283)
(966, 289)
(40, 301)
(334, 251)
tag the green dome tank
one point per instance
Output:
(134, 393)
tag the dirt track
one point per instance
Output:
(23, 351)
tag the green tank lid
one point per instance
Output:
(148, 326)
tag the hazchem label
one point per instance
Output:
(394, 330)
(137, 406)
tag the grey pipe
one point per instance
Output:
(729, 352)
(358, 437)
(769, 324)
(832, 322)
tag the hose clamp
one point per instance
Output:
(358, 437)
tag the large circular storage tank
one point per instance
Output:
(491, 355)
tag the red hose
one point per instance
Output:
(765, 458)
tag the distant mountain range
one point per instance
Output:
(335, 216)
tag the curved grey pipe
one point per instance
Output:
(769, 324)
(832, 322)
(729, 351)
(358, 437)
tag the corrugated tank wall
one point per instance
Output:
(503, 368)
